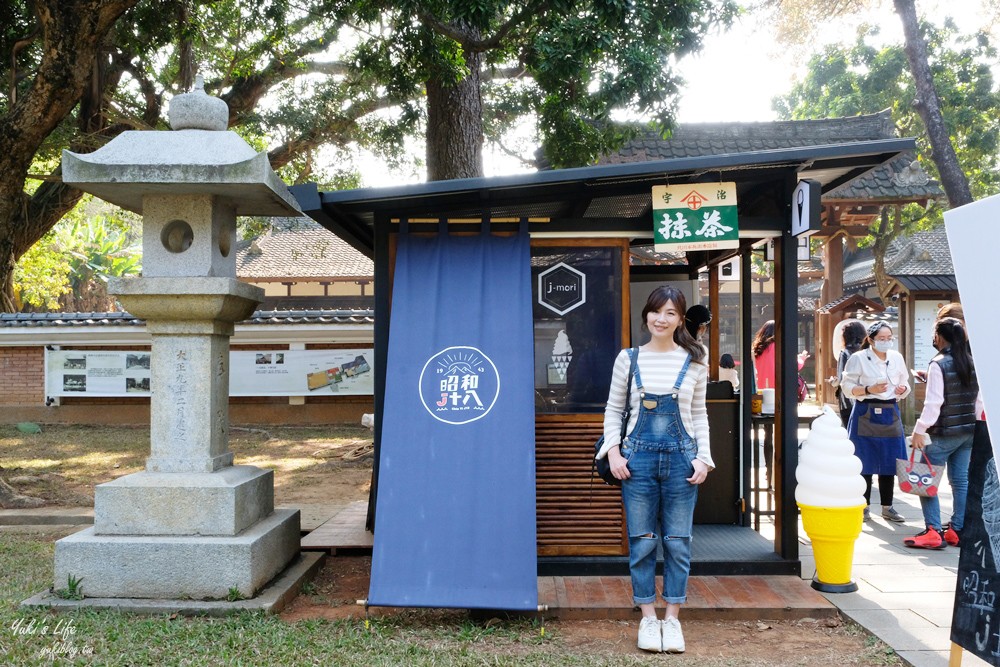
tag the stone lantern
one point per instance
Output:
(192, 525)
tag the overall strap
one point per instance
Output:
(680, 377)
(633, 369)
(633, 353)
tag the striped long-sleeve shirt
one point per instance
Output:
(659, 372)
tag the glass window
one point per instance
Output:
(577, 297)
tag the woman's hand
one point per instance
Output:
(803, 355)
(700, 472)
(900, 389)
(619, 465)
(919, 440)
(878, 388)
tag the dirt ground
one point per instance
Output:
(312, 465)
(332, 466)
(344, 580)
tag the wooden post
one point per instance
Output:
(955, 658)
(713, 330)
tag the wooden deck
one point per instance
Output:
(344, 530)
(777, 597)
(742, 597)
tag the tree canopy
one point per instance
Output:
(846, 80)
(333, 74)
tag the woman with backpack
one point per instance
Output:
(662, 460)
(945, 430)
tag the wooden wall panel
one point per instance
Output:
(576, 516)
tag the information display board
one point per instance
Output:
(251, 373)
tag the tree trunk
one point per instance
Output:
(927, 104)
(72, 32)
(455, 125)
(885, 233)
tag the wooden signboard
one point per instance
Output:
(975, 624)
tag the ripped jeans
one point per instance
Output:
(659, 505)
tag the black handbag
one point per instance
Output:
(603, 465)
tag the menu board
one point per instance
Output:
(975, 624)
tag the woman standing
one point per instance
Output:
(664, 457)
(854, 335)
(763, 349)
(949, 415)
(877, 378)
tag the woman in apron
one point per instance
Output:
(664, 457)
(877, 378)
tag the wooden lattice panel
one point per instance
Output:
(576, 516)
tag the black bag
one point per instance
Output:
(603, 465)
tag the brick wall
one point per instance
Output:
(22, 397)
(22, 376)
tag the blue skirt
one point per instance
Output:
(876, 430)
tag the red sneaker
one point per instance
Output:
(929, 539)
(951, 536)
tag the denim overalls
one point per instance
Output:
(659, 501)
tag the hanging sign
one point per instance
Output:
(806, 208)
(699, 216)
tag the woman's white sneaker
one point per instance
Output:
(672, 639)
(649, 634)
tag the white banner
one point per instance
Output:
(251, 373)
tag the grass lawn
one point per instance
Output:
(110, 638)
(64, 462)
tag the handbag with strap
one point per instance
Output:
(603, 465)
(918, 477)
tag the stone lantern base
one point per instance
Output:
(179, 567)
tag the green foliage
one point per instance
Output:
(42, 275)
(73, 590)
(864, 78)
(234, 594)
(69, 268)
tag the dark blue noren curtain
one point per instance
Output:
(455, 515)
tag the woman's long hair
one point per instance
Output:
(854, 336)
(660, 296)
(763, 338)
(951, 331)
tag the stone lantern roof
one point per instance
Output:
(199, 157)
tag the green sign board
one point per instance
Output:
(701, 216)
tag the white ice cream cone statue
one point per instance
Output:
(830, 496)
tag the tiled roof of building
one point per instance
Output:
(902, 178)
(921, 254)
(921, 261)
(299, 248)
(318, 316)
(892, 181)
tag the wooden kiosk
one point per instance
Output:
(587, 222)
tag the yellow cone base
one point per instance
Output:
(833, 531)
(849, 587)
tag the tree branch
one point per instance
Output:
(339, 129)
(247, 91)
(481, 44)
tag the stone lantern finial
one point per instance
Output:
(197, 110)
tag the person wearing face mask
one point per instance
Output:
(877, 378)
(949, 416)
